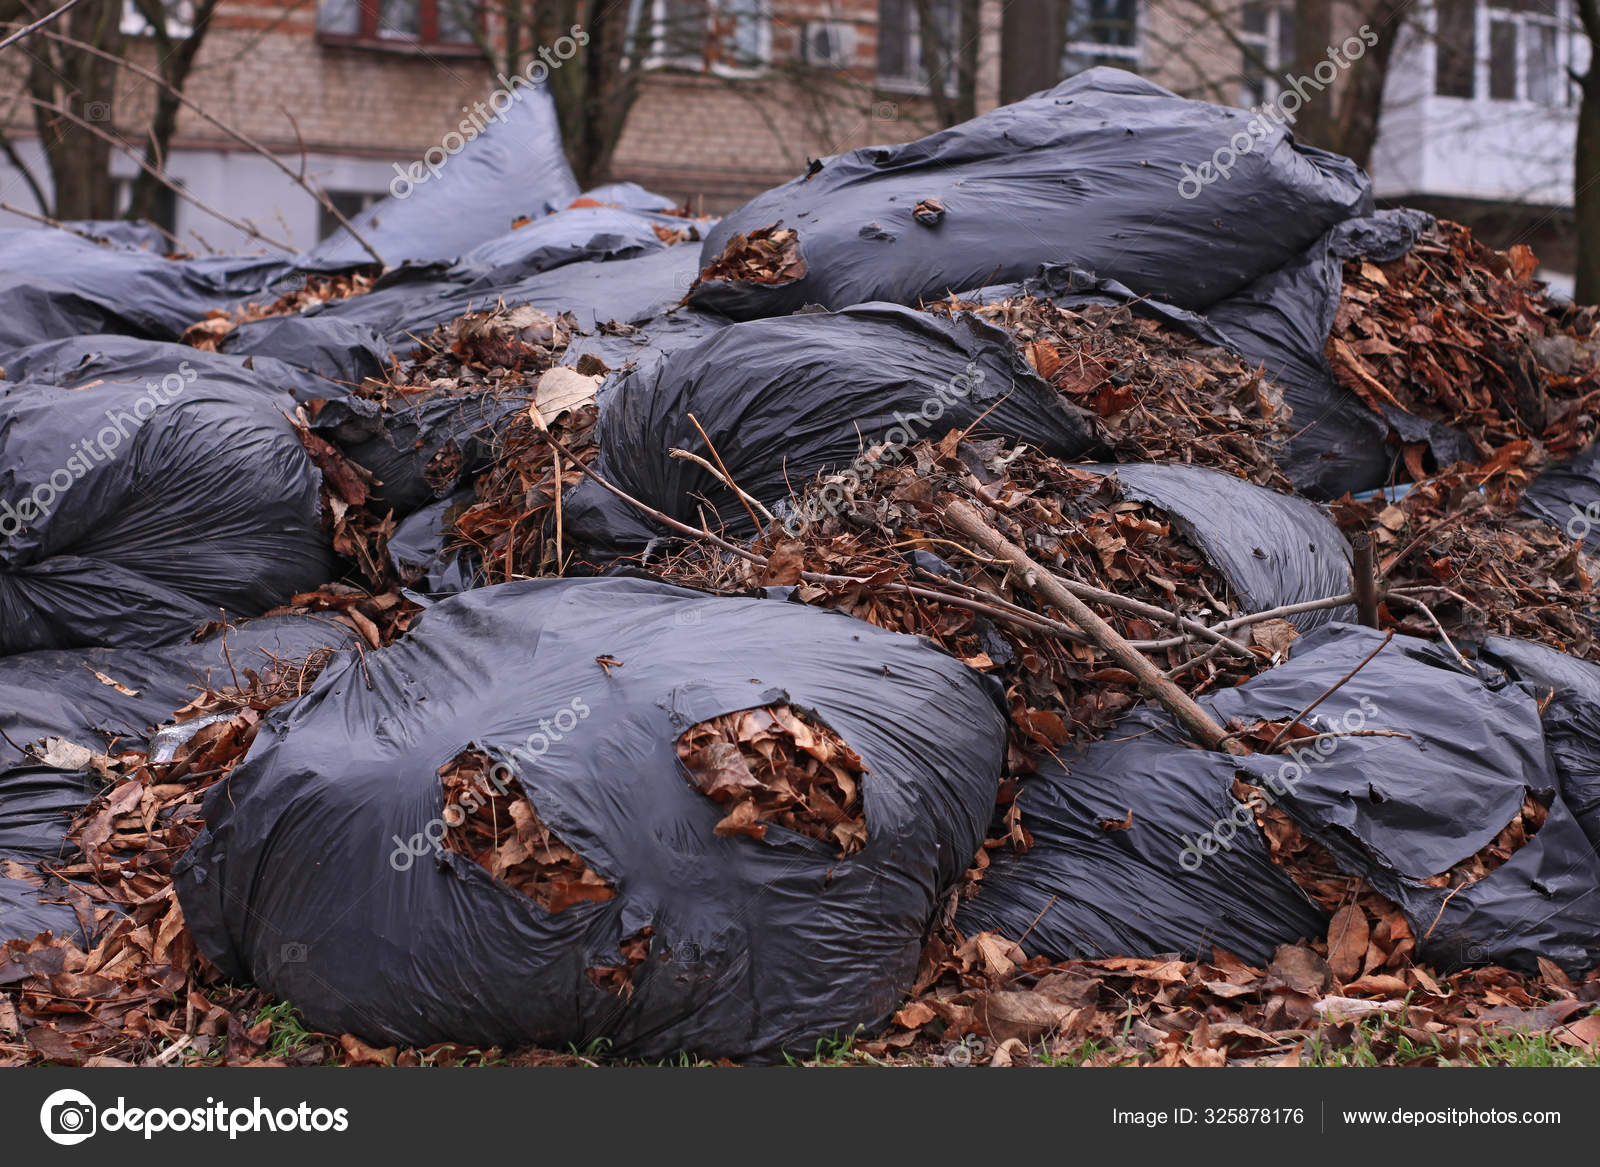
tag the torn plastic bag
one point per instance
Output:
(1273, 549)
(1401, 810)
(513, 167)
(422, 446)
(79, 360)
(1092, 173)
(131, 516)
(104, 700)
(595, 292)
(1568, 497)
(786, 398)
(1571, 719)
(55, 284)
(1091, 888)
(1283, 320)
(342, 352)
(314, 877)
(129, 235)
(1069, 287)
(417, 549)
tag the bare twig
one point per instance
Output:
(1151, 681)
(1337, 685)
(40, 23)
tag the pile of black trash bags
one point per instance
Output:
(151, 493)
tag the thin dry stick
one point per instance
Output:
(1286, 610)
(726, 477)
(1151, 681)
(1337, 685)
(1434, 620)
(315, 192)
(749, 500)
(40, 23)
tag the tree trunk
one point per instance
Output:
(1586, 186)
(1032, 36)
(79, 160)
(1361, 103)
(175, 62)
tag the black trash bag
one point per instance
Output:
(105, 700)
(1571, 719)
(443, 206)
(340, 354)
(1399, 810)
(638, 344)
(126, 234)
(1273, 549)
(1090, 888)
(314, 877)
(79, 360)
(417, 549)
(595, 292)
(786, 398)
(1568, 498)
(1282, 321)
(421, 448)
(56, 284)
(1092, 173)
(131, 516)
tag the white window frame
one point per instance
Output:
(912, 81)
(1130, 53)
(1487, 14)
(655, 43)
(180, 19)
(1266, 46)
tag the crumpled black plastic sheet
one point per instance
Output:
(61, 694)
(315, 877)
(785, 398)
(1282, 321)
(1190, 870)
(166, 508)
(1089, 174)
(1273, 549)
(514, 168)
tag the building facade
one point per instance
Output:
(1479, 114)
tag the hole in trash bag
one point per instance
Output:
(490, 820)
(618, 978)
(767, 255)
(1498, 851)
(777, 765)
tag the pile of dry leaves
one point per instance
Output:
(1458, 333)
(1161, 395)
(777, 764)
(491, 821)
(1484, 569)
(309, 291)
(767, 255)
(888, 555)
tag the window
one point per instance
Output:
(401, 23)
(179, 21)
(1503, 50)
(828, 44)
(350, 203)
(1266, 32)
(900, 58)
(1101, 32)
(723, 36)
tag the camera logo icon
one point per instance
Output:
(68, 1117)
(293, 952)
